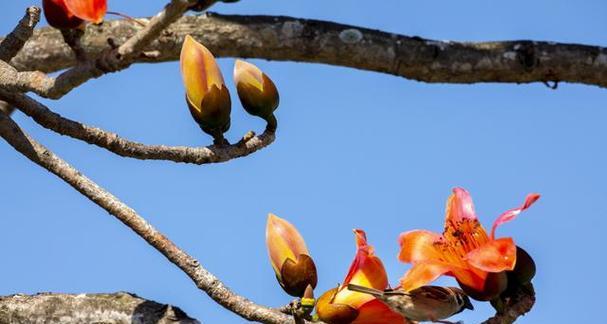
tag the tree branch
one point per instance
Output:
(293, 39)
(514, 304)
(12, 44)
(107, 59)
(203, 279)
(88, 308)
(124, 147)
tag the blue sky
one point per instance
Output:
(354, 149)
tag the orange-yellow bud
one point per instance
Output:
(256, 91)
(293, 266)
(206, 94)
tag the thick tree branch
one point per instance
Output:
(293, 39)
(117, 308)
(124, 147)
(203, 279)
(12, 44)
(5, 108)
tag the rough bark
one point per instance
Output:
(116, 308)
(303, 40)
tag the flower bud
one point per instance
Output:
(256, 91)
(334, 313)
(206, 94)
(495, 284)
(293, 266)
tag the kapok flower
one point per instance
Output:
(341, 305)
(256, 91)
(464, 250)
(293, 266)
(206, 94)
(69, 14)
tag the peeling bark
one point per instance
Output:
(116, 308)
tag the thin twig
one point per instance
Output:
(124, 147)
(203, 279)
(12, 44)
(110, 60)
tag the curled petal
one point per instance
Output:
(419, 246)
(366, 270)
(283, 241)
(494, 256)
(422, 274)
(376, 312)
(512, 213)
(89, 10)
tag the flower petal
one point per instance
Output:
(89, 10)
(366, 270)
(462, 227)
(494, 256)
(423, 273)
(283, 242)
(419, 246)
(59, 16)
(512, 213)
(376, 312)
(460, 206)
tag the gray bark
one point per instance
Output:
(116, 308)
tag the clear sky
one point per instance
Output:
(354, 149)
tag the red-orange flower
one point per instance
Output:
(464, 250)
(67, 14)
(340, 305)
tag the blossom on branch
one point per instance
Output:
(341, 305)
(465, 251)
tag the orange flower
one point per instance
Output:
(340, 305)
(464, 250)
(206, 94)
(68, 14)
(293, 266)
